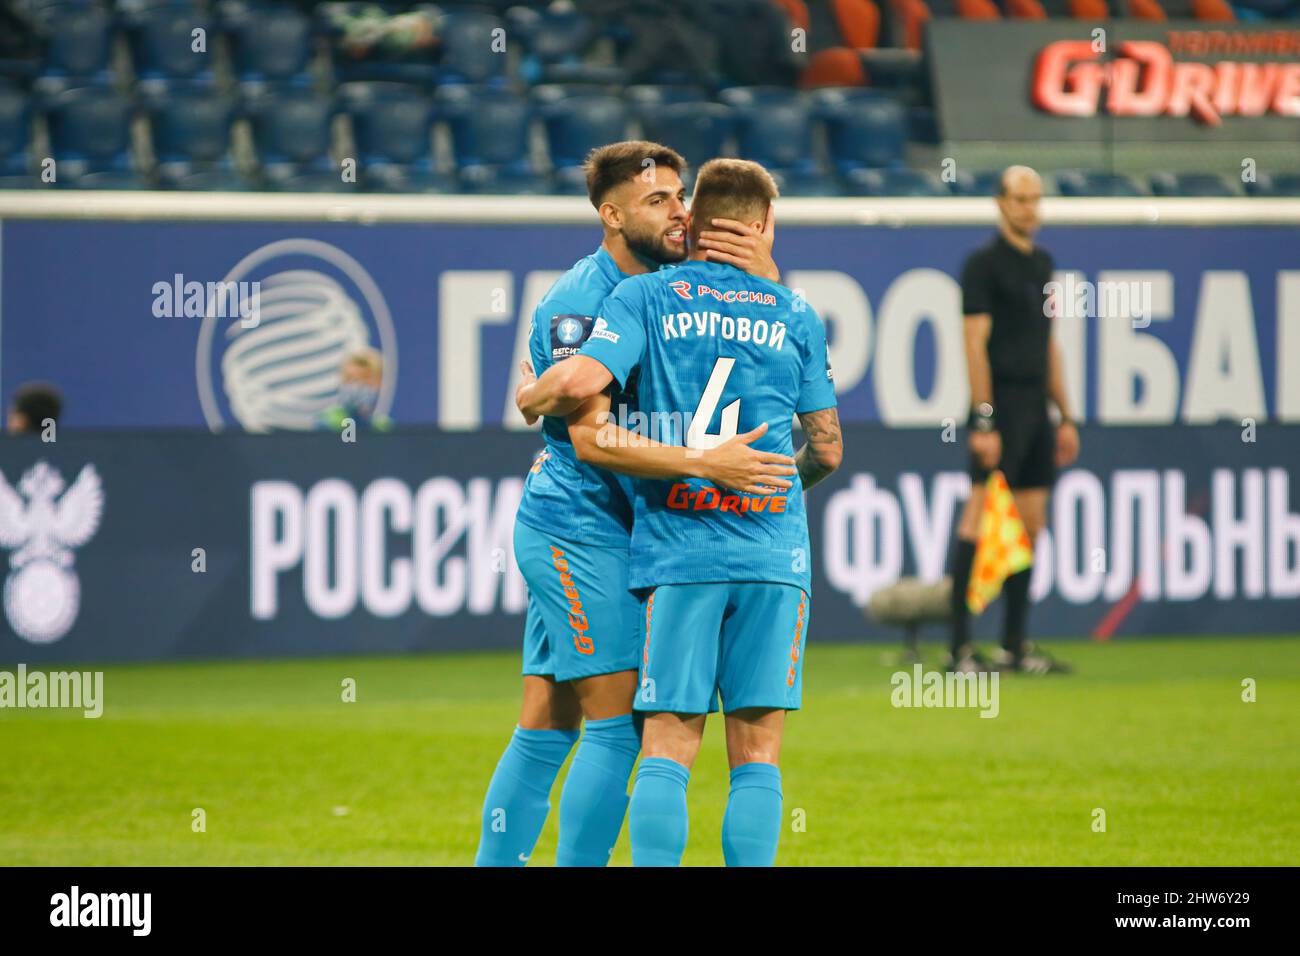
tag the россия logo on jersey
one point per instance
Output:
(318, 305)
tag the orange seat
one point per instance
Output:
(838, 66)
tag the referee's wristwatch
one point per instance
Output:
(981, 418)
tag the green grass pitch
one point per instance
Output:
(1154, 732)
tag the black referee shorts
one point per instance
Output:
(1028, 438)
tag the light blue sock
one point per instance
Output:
(752, 825)
(517, 799)
(657, 819)
(594, 800)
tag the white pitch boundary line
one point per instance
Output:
(557, 210)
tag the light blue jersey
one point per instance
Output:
(717, 352)
(563, 495)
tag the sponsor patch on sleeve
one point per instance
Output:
(601, 331)
(568, 332)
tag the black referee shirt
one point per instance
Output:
(1011, 287)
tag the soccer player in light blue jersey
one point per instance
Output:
(727, 575)
(582, 630)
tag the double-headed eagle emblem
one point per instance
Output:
(42, 593)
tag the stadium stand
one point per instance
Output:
(1086, 183)
(495, 96)
(392, 127)
(270, 45)
(90, 139)
(1190, 184)
(162, 40)
(79, 48)
(190, 134)
(292, 140)
(15, 138)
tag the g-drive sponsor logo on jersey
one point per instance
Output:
(317, 306)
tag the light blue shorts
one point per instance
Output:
(742, 640)
(581, 619)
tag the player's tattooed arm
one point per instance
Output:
(599, 440)
(742, 245)
(561, 389)
(823, 448)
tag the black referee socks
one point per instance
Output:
(963, 557)
(1016, 589)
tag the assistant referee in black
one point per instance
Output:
(1015, 370)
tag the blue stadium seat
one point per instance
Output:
(774, 127)
(651, 96)
(1086, 183)
(1191, 184)
(15, 132)
(107, 179)
(269, 45)
(864, 128)
(893, 182)
(554, 42)
(1278, 184)
(468, 54)
(570, 181)
(696, 130)
(503, 181)
(190, 134)
(984, 183)
(489, 138)
(80, 46)
(292, 134)
(392, 127)
(90, 138)
(578, 124)
(162, 46)
(548, 94)
(805, 182)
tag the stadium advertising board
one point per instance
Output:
(1116, 81)
(161, 544)
(152, 323)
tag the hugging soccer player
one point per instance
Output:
(726, 575)
(581, 639)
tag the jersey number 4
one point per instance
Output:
(697, 435)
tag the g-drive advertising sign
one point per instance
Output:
(244, 326)
(189, 545)
(1117, 81)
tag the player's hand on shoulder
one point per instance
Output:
(735, 464)
(742, 245)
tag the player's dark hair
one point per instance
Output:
(37, 401)
(730, 189)
(613, 165)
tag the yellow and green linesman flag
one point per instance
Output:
(1003, 548)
